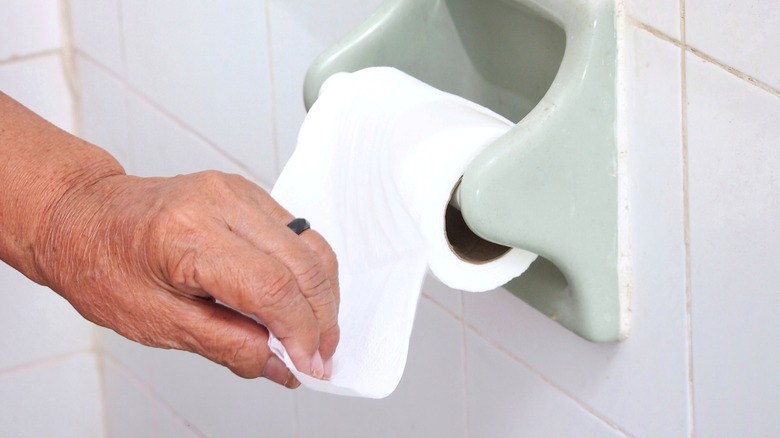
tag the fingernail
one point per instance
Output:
(292, 382)
(317, 367)
(328, 369)
(276, 371)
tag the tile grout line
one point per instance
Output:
(68, 62)
(520, 361)
(464, 357)
(686, 215)
(120, 16)
(272, 88)
(15, 59)
(440, 306)
(739, 74)
(101, 367)
(685, 49)
(45, 362)
(582, 405)
(128, 134)
(703, 56)
(170, 117)
(653, 31)
(150, 394)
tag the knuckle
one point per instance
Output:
(312, 276)
(218, 183)
(325, 253)
(316, 285)
(174, 220)
(331, 263)
(278, 289)
(237, 357)
(177, 239)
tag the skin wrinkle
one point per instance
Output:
(150, 257)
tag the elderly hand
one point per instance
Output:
(168, 262)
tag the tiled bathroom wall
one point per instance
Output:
(177, 86)
(49, 379)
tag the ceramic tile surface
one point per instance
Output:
(161, 147)
(300, 31)
(641, 383)
(40, 85)
(97, 31)
(133, 411)
(429, 401)
(128, 408)
(103, 110)
(735, 247)
(663, 15)
(196, 388)
(447, 297)
(36, 323)
(207, 65)
(741, 34)
(506, 400)
(170, 425)
(57, 400)
(29, 26)
(176, 87)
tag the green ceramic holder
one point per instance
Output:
(550, 185)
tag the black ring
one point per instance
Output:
(299, 225)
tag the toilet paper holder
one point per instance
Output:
(551, 185)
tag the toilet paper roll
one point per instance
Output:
(377, 159)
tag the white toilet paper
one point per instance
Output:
(377, 159)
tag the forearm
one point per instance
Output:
(39, 166)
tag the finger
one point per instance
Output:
(230, 339)
(314, 273)
(315, 241)
(320, 246)
(252, 282)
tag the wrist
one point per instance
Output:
(67, 213)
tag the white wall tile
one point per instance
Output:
(429, 401)
(744, 34)
(134, 357)
(146, 141)
(40, 85)
(216, 402)
(133, 411)
(641, 383)
(103, 110)
(734, 164)
(446, 296)
(57, 400)
(169, 425)
(663, 15)
(507, 400)
(162, 147)
(29, 26)
(301, 30)
(207, 64)
(128, 409)
(36, 323)
(97, 31)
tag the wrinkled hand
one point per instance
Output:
(154, 258)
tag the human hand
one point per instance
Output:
(150, 258)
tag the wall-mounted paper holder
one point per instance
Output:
(551, 184)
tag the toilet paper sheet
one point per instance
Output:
(377, 159)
